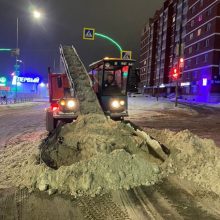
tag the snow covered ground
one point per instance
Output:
(202, 120)
(22, 118)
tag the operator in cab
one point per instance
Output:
(110, 82)
(110, 85)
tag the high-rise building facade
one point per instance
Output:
(202, 51)
(187, 29)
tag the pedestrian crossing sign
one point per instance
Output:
(126, 55)
(88, 34)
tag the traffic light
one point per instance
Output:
(175, 73)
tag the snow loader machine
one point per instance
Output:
(108, 82)
(64, 105)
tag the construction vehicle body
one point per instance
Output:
(110, 80)
(63, 107)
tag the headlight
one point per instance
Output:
(122, 102)
(62, 103)
(71, 104)
(115, 104)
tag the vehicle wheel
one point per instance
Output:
(51, 123)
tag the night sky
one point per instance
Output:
(62, 23)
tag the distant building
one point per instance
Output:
(202, 51)
(186, 29)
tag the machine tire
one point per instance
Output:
(50, 121)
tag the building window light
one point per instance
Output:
(191, 36)
(204, 81)
(199, 32)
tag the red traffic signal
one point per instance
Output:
(175, 73)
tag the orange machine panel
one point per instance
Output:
(58, 82)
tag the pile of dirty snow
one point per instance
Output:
(100, 174)
(192, 158)
(91, 156)
(89, 136)
(15, 156)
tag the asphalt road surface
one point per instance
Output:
(167, 200)
(21, 119)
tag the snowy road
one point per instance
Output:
(21, 119)
(166, 200)
(148, 113)
(144, 112)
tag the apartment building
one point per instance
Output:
(162, 43)
(202, 51)
(188, 29)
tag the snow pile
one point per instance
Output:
(94, 155)
(192, 158)
(88, 136)
(104, 172)
(15, 157)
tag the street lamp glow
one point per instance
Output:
(36, 14)
(42, 85)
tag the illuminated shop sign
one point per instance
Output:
(3, 81)
(185, 84)
(5, 88)
(19, 79)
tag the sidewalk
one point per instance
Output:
(195, 103)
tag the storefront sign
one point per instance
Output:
(185, 84)
(5, 88)
(19, 79)
(3, 81)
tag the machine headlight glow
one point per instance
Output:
(71, 104)
(63, 103)
(115, 104)
(122, 102)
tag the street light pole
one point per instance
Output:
(16, 62)
(36, 15)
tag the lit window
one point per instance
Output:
(204, 81)
(199, 32)
(191, 36)
(200, 18)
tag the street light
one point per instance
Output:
(36, 15)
